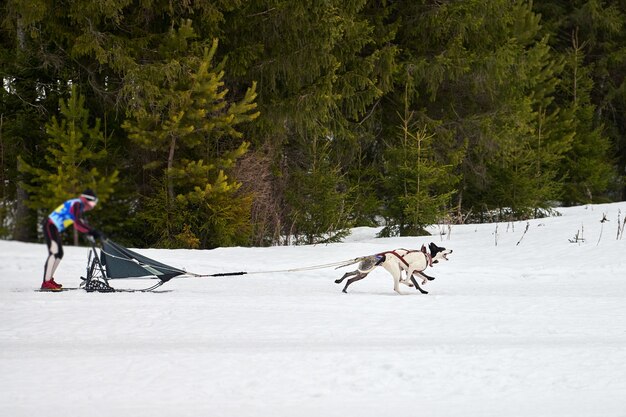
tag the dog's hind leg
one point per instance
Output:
(392, 266)
(396, 273)
(407, 280)
(417, 287)
(360, 276)
(346, 275)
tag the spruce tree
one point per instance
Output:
(321, 68)
(482, 78)
(417, 187)
(590, 35)
(587, 167)
(30, 75)
(317, 197)
(74, 147)
(190, 128)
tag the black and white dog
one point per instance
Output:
(412, 262)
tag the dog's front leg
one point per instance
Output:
(417, 287)
(428, 277)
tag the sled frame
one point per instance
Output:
(96, 279)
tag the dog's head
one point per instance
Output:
(438, 254)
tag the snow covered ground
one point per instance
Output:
(535, 329)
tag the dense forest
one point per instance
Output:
(261, 122)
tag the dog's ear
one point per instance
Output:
(434, 249)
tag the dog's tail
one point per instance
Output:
(351, 262)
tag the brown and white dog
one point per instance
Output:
(412, 262)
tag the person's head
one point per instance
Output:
(89, 199)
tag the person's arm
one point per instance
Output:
(80, 223)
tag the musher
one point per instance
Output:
(68, 213)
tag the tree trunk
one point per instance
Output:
(170, 164)
(25, 226)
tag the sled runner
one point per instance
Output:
(112, 290)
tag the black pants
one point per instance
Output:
(55, 249)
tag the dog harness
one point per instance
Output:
(429, 259)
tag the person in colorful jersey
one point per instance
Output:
(67, 214)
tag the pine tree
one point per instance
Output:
(29, 74)
(491, 82)
(590, 35)
(101, 48)
(73, 150)
(319, 211)
(320, 67)
(417, 187)
(191, 128)
(533, 137)
(587, 166)
(482, 79)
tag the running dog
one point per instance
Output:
(412, 262)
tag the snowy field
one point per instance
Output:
(535, 329)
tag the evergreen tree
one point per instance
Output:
(534, 136)
(482, 78)
(528, 112)
(587, 167)
(319, 210)
(99, 47)
(30, 75)
(417, 188)
(191, 128)
(73, 149)
(590, 35)
(320, 67)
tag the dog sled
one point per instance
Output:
(116, 262)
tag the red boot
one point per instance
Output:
(50, 286)
(56, 283)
